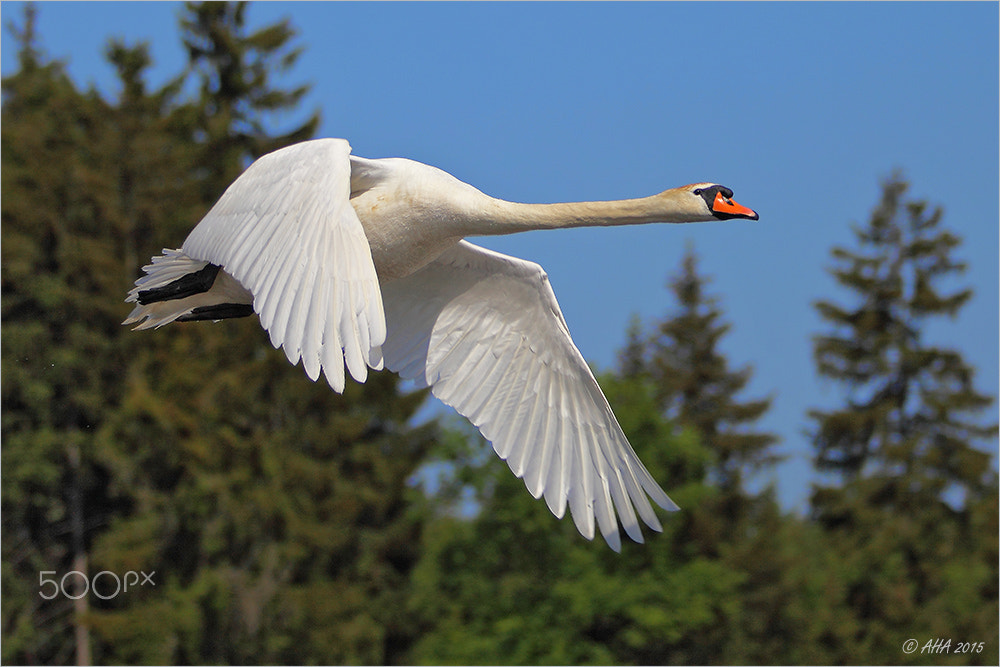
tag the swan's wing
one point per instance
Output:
(286, 231)
(485, 332)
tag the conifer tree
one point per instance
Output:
(513, 585)
(909, 424)
(276, 514)
(236, 72)
(697, 388)
(906, 520)
(149, 135)
(632, 357)
(60, 361)
(707, 591)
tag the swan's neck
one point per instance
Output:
(496, 216)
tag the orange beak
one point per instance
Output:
(731, 208)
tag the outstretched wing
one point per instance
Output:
(286, 231)
(484, 331)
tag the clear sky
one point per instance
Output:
(801, 109)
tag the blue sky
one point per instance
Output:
(802, 109)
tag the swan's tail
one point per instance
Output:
(179, 288)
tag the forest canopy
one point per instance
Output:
(283, 523)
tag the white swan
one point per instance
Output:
(361, 262)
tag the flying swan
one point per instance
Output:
(357, 262)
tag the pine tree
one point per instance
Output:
(696, 388)
(149, 136)
(906, 520)
(708, 590)
(513, 585)
(908, 425)
(238, 95)
(632, 357)
(60, 358)
(276, 514)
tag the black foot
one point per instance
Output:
(220, 312)
(192, 283)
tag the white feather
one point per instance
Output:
(492, 343)
(353, 263)
(285, 229)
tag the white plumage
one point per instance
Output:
(359, 263)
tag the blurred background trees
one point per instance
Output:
(273, 511)
(286, 524)
(911, 493)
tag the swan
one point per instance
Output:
(362, 263)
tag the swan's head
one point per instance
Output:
(717, 200)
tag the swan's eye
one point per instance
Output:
(697, 191)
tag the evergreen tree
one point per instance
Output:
(908, 519)
(514, 585)
(61, 361)
(696, 388)
(235, 70)
(148, 136)
(908, 426)
(276, 515)
(632, 357)
(86, 182)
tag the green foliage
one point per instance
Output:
(907, 400)
(62, 260)
(283, 516)
(235, 70)
(515, 585)
(276, 514)
(284, 522)
(907, 519)
(694, 384)
(733, 579)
